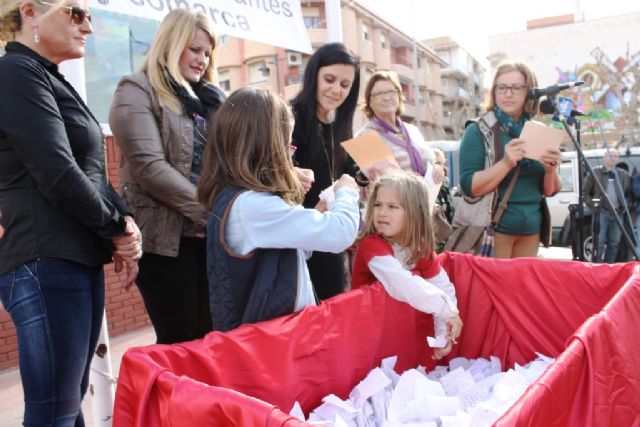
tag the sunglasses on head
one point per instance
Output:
(77, 15)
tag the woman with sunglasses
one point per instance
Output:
(62, 219)
(518, 233)
(159, 118)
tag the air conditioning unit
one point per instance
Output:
(294, 58)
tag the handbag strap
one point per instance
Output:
(502, 206)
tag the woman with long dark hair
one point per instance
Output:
(323, 112)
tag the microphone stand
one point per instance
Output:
(577, 212)
(603, 194)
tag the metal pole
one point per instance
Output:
(277, 65)
(416, 72)
(334, 20)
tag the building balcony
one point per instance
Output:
(409, 110)
(403, 71)
(318, 36)
(457, 71)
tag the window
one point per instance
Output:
(224, 81)
(311, 17)
(383, 41)
(311, 21)
(365, 32)
(116, 48)
(256, 72)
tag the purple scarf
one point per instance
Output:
(417, 164)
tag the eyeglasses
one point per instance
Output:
(515, 89)
(384, 94)
(77, 15)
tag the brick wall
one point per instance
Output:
(125, 309)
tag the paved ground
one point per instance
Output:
(11, 399)
(11, 404)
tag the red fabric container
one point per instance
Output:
(585, 315)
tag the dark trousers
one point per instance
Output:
(327, 274)
(176, 292)
(56, 307)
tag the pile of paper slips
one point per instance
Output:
(466, 393)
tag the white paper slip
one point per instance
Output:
(538, 138)
(438, 342)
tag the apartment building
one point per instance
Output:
(378, 45)
(462, 85)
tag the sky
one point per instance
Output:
(471, 22)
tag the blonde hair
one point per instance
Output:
(10, 19)
(417, 235)
(530, 105)
(173, 36)
(249, 147)
(391, 77)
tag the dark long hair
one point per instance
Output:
(306, 102)
(248, 147)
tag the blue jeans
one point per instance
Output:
(56, 307)
(609, 235)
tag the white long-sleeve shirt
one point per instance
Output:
(434, 294)
(264, 220)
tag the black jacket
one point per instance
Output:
(55, 199)
(590, 190)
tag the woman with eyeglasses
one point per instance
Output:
(383, 106)
(323, 112)
(159, 118)
(518, 233)
(62, 219)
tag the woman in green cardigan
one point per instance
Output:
(518, 232)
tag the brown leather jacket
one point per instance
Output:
(157, 153)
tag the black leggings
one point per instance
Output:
(176, 292)
(327, 274)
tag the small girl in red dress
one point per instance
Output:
(397, 250)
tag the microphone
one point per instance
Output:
(547, 107)
(550, 91)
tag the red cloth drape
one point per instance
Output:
(251, 376)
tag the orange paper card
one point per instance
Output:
(368, 149)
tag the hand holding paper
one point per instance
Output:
(541, 142)
(368, 150)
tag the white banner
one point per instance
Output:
(274, 22)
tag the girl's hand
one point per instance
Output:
(306, 178)
(345, 181)
(379, 168)
(454, 327)
(321, 206)
(551, 159)
(513, 152)
(439, 353)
